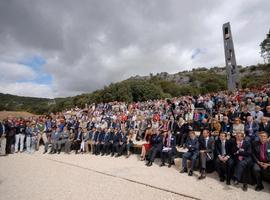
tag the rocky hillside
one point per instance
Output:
(141, 88)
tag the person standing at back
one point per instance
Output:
(20, 136)
(3, 139)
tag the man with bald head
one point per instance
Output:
(261, 156)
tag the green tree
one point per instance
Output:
(265, 48)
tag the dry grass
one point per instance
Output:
(5, 114)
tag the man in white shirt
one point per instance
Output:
(257, 114)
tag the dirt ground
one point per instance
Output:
(38, 176)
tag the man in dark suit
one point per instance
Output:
(206, 147)
(78, 139)
(169, 148)
(108, 140)
(265, 126)
(122, 144)
(243, 160)
(224, 158)
(157, 143)
(261, 156)
(116, 140)
(192, 154)
(100, 141)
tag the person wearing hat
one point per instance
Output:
(224, 158)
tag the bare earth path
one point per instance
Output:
(38, 176)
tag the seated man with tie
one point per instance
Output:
(261, 155)
(224, 160)
(100, 141)
(108, 140)
(116, 140)
(207, 147)
(169, 148)
(78, 140)
(122, 144)
(192, 144)
(243, 160)
(157, 143)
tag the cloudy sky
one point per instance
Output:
(58, 48)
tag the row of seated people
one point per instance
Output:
(234, 156)
(97, 141)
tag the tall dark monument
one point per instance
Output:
(231, 67)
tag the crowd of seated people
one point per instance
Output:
(231, 130)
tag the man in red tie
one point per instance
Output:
(168, 149)
(242, 159)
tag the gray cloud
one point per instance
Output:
(88, 44)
